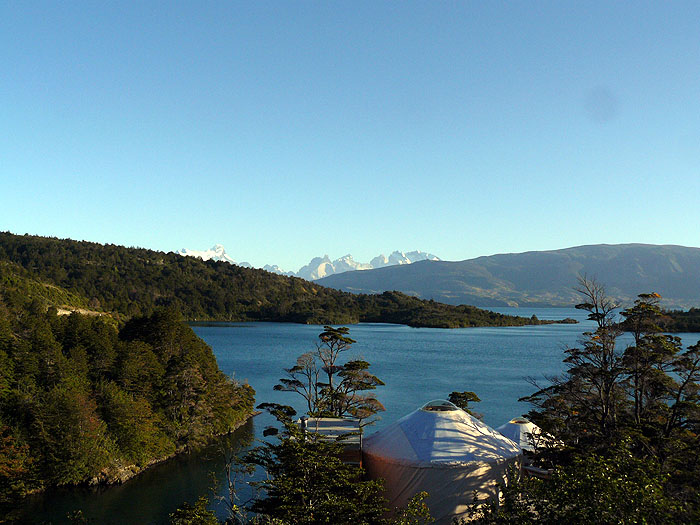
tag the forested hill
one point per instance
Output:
(134, 281)
(85, 401)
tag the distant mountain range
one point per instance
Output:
(319, 267)
(545, 278)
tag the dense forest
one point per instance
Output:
(681, 321)
(133, 281)
(89, 399)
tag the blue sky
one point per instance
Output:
(288, 130)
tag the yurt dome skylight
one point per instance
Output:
(439, 405)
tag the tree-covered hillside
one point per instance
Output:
(134, 281)
(84, 402)
(681, 321)
(15, 280)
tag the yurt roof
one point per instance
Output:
(439, 434)
(521, 431)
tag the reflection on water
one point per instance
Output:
(148, 498)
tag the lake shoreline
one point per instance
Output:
(446, 326)
(493, 362)
(115, 476)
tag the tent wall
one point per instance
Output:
(450, 488)
(443, 451)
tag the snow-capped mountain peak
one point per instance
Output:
(410, 257)
(276, 269)
(397, 257)
(215, 253)
(322, 266)
(319, 267)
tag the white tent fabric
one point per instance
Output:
(525, 433)
(443, 451)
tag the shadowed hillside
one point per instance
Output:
(541, 278)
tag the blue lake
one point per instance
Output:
(417, 365)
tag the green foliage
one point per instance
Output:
(135, 428)
(462, 400)
(644, 395)
(308, 483)
(681, 321)
(196, 514)
(416, 512)
(330, 388)
(82, 402)
(617, 488)
(24, 285)
(15, 467)
(72, 438)
(134, 282)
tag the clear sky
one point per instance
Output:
(286, 130)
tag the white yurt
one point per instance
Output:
(524, 432)
(442, 450)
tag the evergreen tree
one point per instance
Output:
(81, 401)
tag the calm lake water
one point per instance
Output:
(417, 365)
